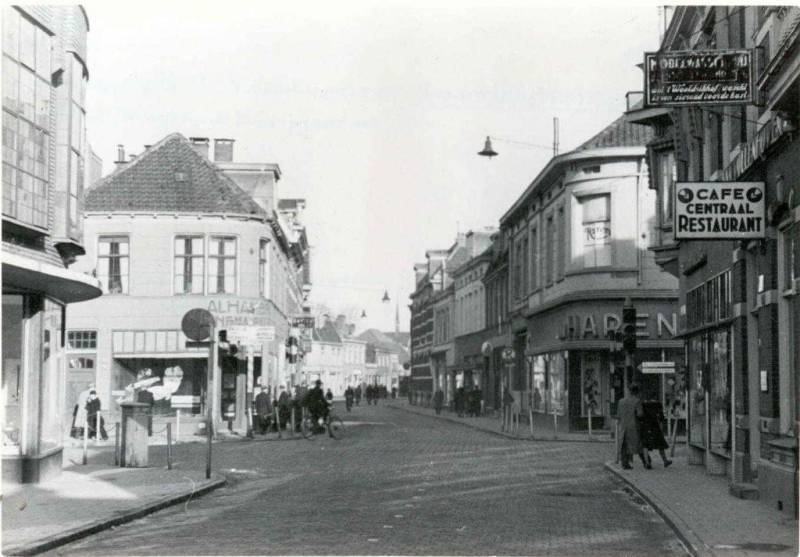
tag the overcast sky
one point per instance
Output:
(374, 112)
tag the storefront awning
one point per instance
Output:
(38, 276)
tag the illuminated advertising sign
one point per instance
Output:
(719, 210)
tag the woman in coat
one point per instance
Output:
(652, 433)
(629, 412)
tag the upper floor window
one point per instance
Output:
(26, 119)
(222, 265)
(188, 271)
(81, 340)
(549, 258)
(534, 281)
(112, 264)
(263, 268)
(665, 178)
(596, 223)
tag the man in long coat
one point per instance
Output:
(630, 411)
(263, 405)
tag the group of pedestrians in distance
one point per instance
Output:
(465, 401)
(641, 429)
(316, 401)
(86, 417)
(372, 393)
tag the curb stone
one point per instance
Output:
(694, 545)
(120, 517)
(498, 433)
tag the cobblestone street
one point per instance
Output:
(398, 484)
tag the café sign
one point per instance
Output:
(719, 210)
(698, 77)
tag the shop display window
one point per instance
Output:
(719, 392)
(539, 385)
(50, 381)
(13, 384)
(591, 391)
(697, 406)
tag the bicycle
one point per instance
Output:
(332, 424)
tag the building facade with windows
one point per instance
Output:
(577, 241)
(167, 232)
(498, 321)
(442, 350)
(44, 143)
(738, 298)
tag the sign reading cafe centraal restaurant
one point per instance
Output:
(719, 210)
(697, 77)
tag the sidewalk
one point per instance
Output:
(87, 499)
(542, 425)
(705, 516)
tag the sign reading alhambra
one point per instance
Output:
(698, 77)
(719, 210)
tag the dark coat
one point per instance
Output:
(651, 424)
(263, 404)
(630, 410)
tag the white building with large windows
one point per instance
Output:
(170, 231)
(44, 146)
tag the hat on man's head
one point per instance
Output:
(318, 382)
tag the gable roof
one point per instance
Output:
(171, 177)
(619, 133)
(380, 340)
(327, 333)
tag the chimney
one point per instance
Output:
(120, 156)
(223, 150)
(200, 146)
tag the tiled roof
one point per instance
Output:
(327, 333)
(620, 133)
(170, 177)
(380, 340)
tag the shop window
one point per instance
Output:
(51, 377)
(222, 265)
(591, 393)
(12, 378)
(189, 258)
(697, 406)
(538, 385)
(596, 222)
(112, 264)
(791, 263)
(81, 340)
(720, 394)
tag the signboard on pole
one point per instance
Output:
(658, 367)
(719, 210)
(246, 335)
(698, 77)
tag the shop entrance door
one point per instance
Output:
(81, 374)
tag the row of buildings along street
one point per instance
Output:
(98, 273)
(534, 304)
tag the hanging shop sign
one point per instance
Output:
(247, 335)
(657, 367)
(698, 77)
(719, 210)
(765, 137)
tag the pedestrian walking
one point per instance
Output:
(459, 401)
(92, 415)
(368, 394)
(630, 411)
(284, 408)
(438, 401)
(358, 395)
(263, 404)
(652, 431)
(329, 395)
(349, 394)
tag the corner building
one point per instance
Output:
(45, 74)
(577, 242)
(168, 232)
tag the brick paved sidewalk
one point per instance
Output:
(87, 499)
(700, 509)
(542, 425)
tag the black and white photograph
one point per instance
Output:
(400, 278)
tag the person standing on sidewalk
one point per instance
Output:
(263, 409)
(358, 395)
(438, 401)
(630, 411)
(92, 416)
